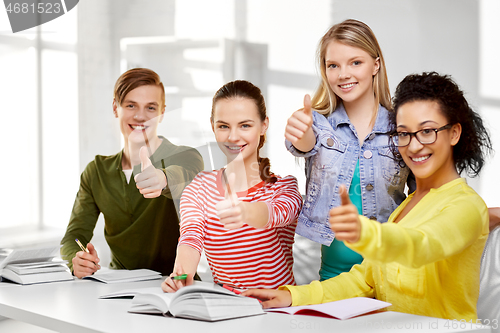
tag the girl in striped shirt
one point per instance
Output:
(242, 216)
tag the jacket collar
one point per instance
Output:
(339, 117)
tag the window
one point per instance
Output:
(40, 127)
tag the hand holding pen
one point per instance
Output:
(85, 262)
(176, 281)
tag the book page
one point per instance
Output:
(130, 293)
(31, 255)
(343, 309)
(123, 275)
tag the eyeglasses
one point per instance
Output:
(425, 136)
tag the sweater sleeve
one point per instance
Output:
(83, 217)
(193, 221)
(188, 163)
(285, 204)
(454, 228)
(358, 282)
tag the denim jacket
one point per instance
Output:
(331, 163)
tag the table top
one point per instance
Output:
(73, 306)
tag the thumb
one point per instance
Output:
(344, 196)
(307, 105)
(145, 161)
(230, 193)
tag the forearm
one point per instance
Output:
(187, 259)
(255, 214)
(307, 142)
(178, 177)
(441, 236)
(187, 165)
(81, 227)
(357, 282)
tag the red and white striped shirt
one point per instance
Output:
(245, 257)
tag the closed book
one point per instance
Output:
(124, 275)
(43, 267)
(37, 277)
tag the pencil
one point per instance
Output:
(81, 246)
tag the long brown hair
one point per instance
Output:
(245, 89)
(357, 34)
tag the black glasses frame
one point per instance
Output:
(394, 137)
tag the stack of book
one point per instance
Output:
(29, 266)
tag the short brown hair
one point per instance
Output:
(134, 78)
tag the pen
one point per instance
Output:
(83, 249)
(81, 246)
(179, 277)
(236, 291)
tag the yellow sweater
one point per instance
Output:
(427, 264)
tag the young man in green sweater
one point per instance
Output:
(135, 189)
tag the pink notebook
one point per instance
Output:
(344, 309)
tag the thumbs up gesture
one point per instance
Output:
(230, 210)
(299, 127)
(150, 181)
(344, 219)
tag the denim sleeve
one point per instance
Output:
(317, 131)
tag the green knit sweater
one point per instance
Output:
(141, 233)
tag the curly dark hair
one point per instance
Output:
(474, 144)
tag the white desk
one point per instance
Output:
(74, 307)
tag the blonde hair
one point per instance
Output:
(357, 34)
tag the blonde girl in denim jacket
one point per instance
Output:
(343, 133)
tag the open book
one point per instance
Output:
(123, 275)
(202, 301)
(37, 265)
(343, 309)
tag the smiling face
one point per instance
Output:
(141, 111)
(350, 71)
(432, 163)
(238, 127)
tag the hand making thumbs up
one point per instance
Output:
(344, 219)
(230, 210)
(299, 127)
(150, 181)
